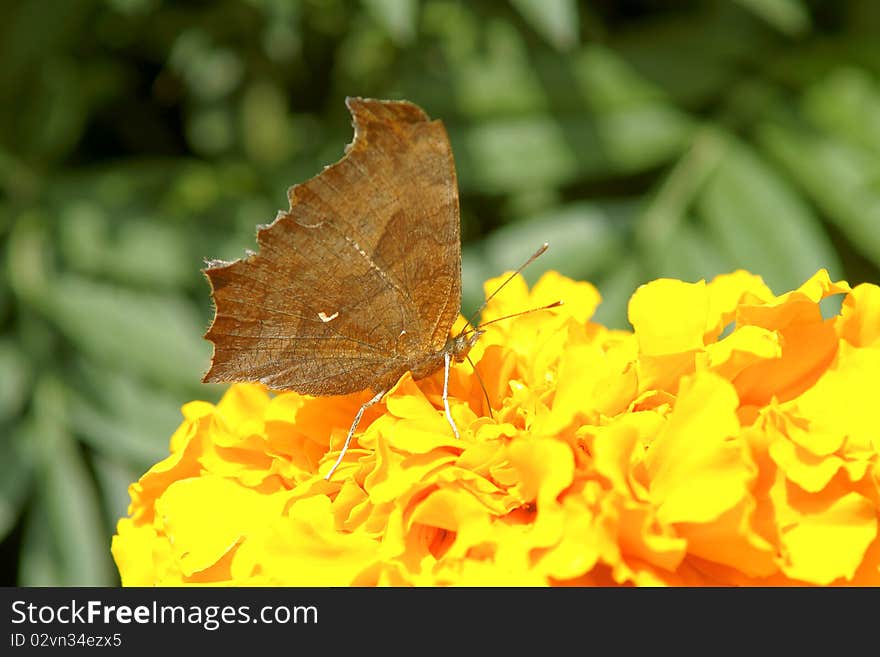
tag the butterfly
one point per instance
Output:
(359, 281)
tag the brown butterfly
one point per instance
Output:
(359, 281)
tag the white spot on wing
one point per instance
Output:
(327, 318)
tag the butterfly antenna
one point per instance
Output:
(507, 280)
(482, 386)
(555, 304)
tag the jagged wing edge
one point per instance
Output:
(361, 115)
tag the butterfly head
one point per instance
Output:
(461, 344)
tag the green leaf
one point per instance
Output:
(846, 104)
(153, 335)
(608, 82)
(474, 272)
(140, 250)
(113, 479)
(692, 56)
(636, 126)
(788, 16)
(42, 100)
(39, 563)
(584, 238)
(662, 220)
(692, 255)
(29, 250)
(638, 138)
(15, 479)
(211, 131)
(397, 17)
(507, 154)
(121, 417)
(555, 20)
(67, 496)
(616, 288)
(267, 133)
(15, 378)
(210, 72)
(502, 81)
(58, 116)
(839, 177)
(762, 224)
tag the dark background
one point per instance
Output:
(137, 137)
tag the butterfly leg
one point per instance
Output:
(446, 359)
(357, 419)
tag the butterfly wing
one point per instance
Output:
(360, 278)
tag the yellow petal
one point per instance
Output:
(206, 517)
(405, 473)
(744, 347)
(579, 300)
(819, 286)
(577, 551)
(726, 292)
(824, 537)
(698, 468)
(241, 408)
(591, 382)
(613, 455)
(545, 468)
(810, 472)
(642, 537)
(669, 316)
(180, 464)
(513, 298)
(407, 401)
(304, 549)
(132, 549)
(842, 404)
(449, 509)
(859, 321)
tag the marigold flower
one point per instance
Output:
(730, 439)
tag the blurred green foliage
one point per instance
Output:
(642, 139)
